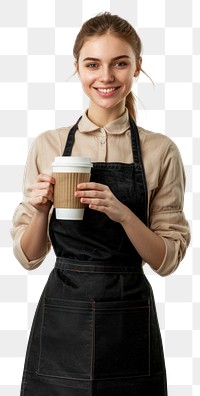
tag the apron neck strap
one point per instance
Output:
(70, 139)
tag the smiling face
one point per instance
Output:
(106, 68)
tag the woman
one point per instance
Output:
(95, 331)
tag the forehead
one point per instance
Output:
(105, 46)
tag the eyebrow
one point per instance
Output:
(113, 59)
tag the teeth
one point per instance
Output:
(106, 90)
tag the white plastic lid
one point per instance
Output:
(72, 161)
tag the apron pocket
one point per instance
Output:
(66, 339)
(122, 339)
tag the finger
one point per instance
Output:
(90, 194)
(45, 178)
(92, 186)
(42, 193)
(42, 186)
(99, 208)
(38, 200)
(96, 202)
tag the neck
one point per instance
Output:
(102, 117)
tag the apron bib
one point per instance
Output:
(95, 330)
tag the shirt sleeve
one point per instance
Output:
(166, 216)
(24, 211)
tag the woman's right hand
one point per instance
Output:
(42, 193)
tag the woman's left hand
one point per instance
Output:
(99, 197)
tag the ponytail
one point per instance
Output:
(130, 104)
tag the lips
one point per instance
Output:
(106, 92)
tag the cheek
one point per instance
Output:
(130, 80)
(127, 82)
(86, 79)
(126, 77)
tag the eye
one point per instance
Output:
(120, 64)
(92, 65)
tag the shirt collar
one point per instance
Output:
(116, 127)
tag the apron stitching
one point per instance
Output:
(93, 342)
(100, 379)
(149, 335)
(40, 341)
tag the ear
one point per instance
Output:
(76, 67)
(138, 68)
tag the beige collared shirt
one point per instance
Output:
(164, 175)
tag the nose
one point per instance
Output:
(106, 75)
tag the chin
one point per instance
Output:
(108, 106)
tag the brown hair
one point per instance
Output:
(107, 23)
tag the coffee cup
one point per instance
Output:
(68, 173)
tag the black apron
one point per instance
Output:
(95, 330)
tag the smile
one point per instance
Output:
(106, 90)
